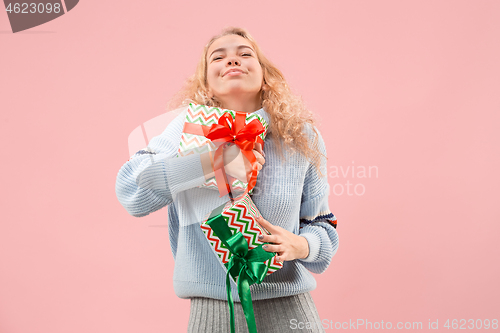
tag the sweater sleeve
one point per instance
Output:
(317, 223)
(152, 177)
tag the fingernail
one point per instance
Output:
(261, 237)
(264, 246)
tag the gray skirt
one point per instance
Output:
(275, 315)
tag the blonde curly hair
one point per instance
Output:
(287, 111)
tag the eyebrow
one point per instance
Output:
(223, 49)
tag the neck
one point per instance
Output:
(240, 103)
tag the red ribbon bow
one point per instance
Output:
(235, 130)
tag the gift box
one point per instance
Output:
(232, 231)
(193, 139)
(239, 216)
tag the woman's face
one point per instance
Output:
(233, 68)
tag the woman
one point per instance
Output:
(291, 192)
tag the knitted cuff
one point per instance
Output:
(314, 246)
(183, 173)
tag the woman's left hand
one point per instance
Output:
(286, 244)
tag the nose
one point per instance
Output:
(233, 61)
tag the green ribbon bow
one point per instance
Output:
(247, 265)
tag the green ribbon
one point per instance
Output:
(247, 265)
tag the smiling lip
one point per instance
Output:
(233, 72)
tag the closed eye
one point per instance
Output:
(244, 54)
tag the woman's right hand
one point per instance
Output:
(238, 166)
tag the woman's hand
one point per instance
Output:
(288, 245)
(238, 166)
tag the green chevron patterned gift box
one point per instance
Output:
(198, 119)
(240, 216)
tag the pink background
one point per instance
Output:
(411, 88)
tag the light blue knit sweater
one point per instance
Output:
(288, 194)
